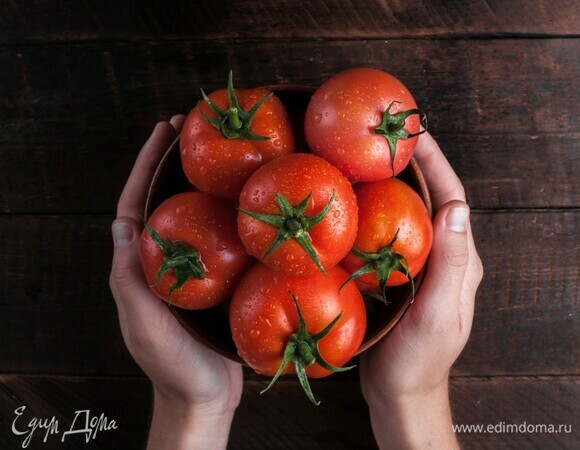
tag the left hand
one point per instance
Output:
(187, 377)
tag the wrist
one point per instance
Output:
(179, 424)
(414, 420)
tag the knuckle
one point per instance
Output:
(456, 258)
(121, 277)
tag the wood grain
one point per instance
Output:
(507, 123)
(340, 422)
(58, 302)
(93, 20)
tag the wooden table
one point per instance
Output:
(83, 83)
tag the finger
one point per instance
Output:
(473, 277)
(177, 122)
(441, 290)
(132, 200)
(444, 184)
(127, 280)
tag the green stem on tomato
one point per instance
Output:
(293, 224)
(302, 351)
(179, 257)
(233, 122)
(382, 263)
(392, 128)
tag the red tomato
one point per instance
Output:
(389, 208)
(194, 242)
(298, 214)
(359, 119)
(264, 321)
(219, 157)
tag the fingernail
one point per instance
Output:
(456, 219)
(122, 233)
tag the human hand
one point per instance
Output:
(404, 376)
(196, 391)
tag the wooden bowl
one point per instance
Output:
(211, 326)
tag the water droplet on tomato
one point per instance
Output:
(341, 151)
(221, 246)
(317, 118)
(336, 213)
(254, 333)
(203, 170)
(181, 209)
(276, 142)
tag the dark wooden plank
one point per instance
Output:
(127, 402)
(58, 315)
(499, 405)
(55, 297)
(72, 118)
(106, 20)
(527, 304)
(283, 418)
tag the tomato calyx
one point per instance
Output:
(382, 263)
(292, 223)
(302, 351)
(233, 122)
(179, 257)
(392, 128)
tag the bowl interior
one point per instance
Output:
(211, 326)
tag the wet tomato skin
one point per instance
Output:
(263, 316)
(295, 177)
(208, 225)
(220, 166)
(385, 207)
(343, 114)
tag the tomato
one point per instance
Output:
(225, 139)
(365, 122)
(190, 251)
(269, 334)
(298, 213)
(394, 237)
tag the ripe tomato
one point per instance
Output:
(298, 213)
(225, 138)
(269, 334)
(365, 122)
(190, 252)
(394, 237)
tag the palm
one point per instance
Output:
(176, 361)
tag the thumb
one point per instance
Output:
(126, 272)
(449, 256)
